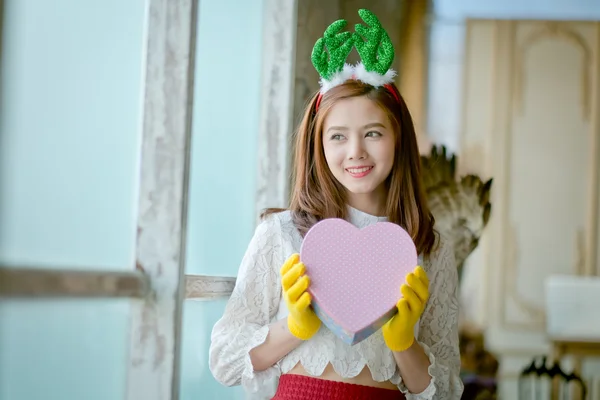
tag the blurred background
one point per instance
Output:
(506, 100)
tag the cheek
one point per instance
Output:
(333, 155)
(385, 155)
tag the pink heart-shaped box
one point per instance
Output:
(356, 274)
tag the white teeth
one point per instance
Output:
(358, 170)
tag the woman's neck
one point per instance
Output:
(370, 203)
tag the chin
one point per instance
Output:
(360, 189)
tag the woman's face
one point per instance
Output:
(359, 146)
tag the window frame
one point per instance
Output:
(157, 284)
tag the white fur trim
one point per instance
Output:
(373, 78)
(357, 72)
(337, 79)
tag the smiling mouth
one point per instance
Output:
(359, 172)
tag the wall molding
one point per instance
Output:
(585, 239)
(554, 30)
(505, 50)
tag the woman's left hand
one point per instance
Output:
(398, 332)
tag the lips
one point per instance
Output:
(359, 172)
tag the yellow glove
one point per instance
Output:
(302, 320)
(398, 332)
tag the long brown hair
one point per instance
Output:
(317, 195)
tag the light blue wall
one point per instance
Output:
(69, 138)
(224, 138)
(70, 127)
(222, 189)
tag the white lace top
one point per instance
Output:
(256, 302)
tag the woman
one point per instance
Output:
(356, 158)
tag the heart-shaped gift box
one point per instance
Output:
(356, 274)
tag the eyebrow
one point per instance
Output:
(367, 126)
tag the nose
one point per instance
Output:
(357, 150)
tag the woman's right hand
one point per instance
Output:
(302, 321)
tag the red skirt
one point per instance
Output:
(298, 387)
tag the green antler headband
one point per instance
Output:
(339, 46)
(374, 48)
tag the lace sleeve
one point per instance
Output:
(438, 329)
(249, 310)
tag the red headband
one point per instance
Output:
(387, 86)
